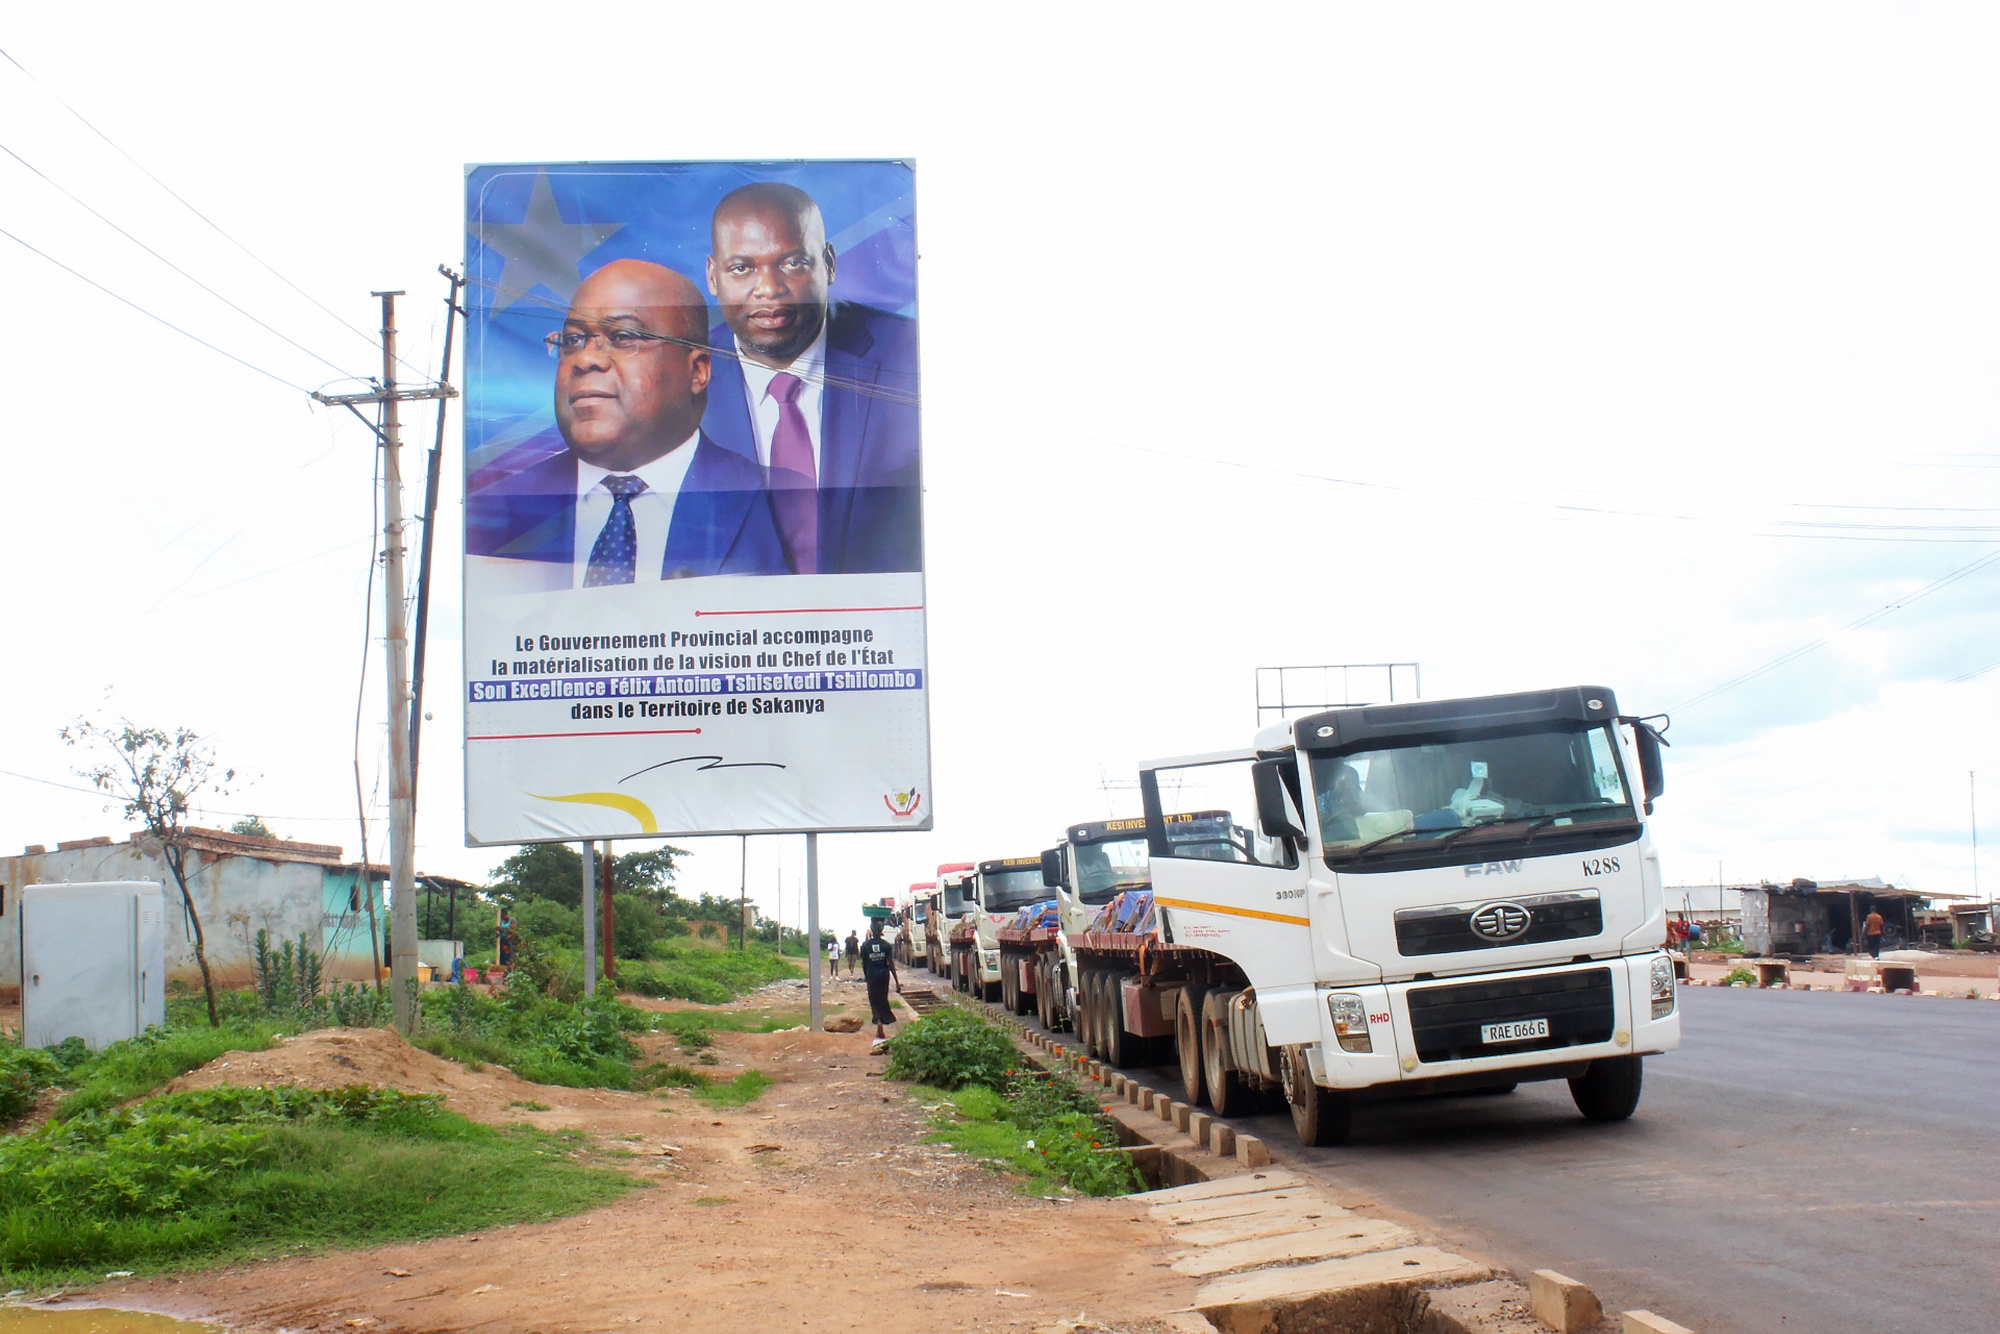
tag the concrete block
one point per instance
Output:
(1183, 1116)
(1132, 1092)
(1275, 1219)
(1183, 1212)
(1198, 1124)
(1165, 1107)
(1247, 1183)
(1250, 1151)
(1353, 1236)
(1222, 1139)
(1562, 1303)
(1265, 1291)
(1146, 1096)
(1645, 1322)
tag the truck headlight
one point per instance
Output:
(1663, 986)
(1350, 1021)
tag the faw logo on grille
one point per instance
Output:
(1500, 921)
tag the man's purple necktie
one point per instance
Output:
(794, 479)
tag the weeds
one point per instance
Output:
(208, 1174)
(721, 1093)
(707, 977)
(951, 1048)
(136, 1066)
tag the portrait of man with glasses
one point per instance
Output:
(636, 492)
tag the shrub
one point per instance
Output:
(951, 1048)
(24, 1071)
(549, 923)
(1735, 975)
(212, 1172)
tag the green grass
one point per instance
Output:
(215, 1175)
(136, 1066)
(691, 1028)
(1035, 1131)
(741, 1091)
(706, 976)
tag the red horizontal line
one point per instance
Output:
(537, 736)
(802, 611)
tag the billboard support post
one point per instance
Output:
(589, 922)
(813, 1007)
(608, 923)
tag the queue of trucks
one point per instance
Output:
(1447, 896)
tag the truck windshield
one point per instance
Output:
(1414, 796)
(1004, 891)
(1102, 869)
(954, 900)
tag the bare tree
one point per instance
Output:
(155, 777)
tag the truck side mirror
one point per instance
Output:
(1052, 876)
(1652, 773)
(1277, 816)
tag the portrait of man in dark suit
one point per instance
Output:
(820, 394)
(627, 488)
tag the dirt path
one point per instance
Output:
(815, 1208)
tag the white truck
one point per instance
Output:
(1444, 896)
(994, 892)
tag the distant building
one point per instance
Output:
(1825, 917)
(241, 883)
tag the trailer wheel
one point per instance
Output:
(1006, 986)
(1045, 991)
(1187, 1040)
(1227, 1093)
(1083, 1020)
(1320, 1115)
(1118, 1044)
(1609, 1090)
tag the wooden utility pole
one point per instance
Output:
(395, 644)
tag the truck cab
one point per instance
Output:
(912, 941)
(996, 890)
(1424, 897)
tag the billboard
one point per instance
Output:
(694, 585)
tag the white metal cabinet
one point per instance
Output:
(93, 962)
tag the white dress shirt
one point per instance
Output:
(810, 367)
(652, 510)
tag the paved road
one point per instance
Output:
(1804, 1162)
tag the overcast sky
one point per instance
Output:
(1638, 346)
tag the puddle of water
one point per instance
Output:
(95, 1320)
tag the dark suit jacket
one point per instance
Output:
(870, 487)
(722, 518)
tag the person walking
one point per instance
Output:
(1871, 931)
(853, 952)
(878, 966)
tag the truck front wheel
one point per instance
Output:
(1609, 1090)
(1320, 1115)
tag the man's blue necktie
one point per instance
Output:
(616, 550)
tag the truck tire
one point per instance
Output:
(1045, 993)
(1024, 1001)
(1321, 1115)
(1085, 1019)
(1006, 986)
(1227, 1093)
(1187, 1042)
(1119, 1046)
(1609, 1090)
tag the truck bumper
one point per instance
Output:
(1440, 1029)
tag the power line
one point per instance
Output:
(1873, 616)
(1815, 531)
(169, 263)
(149, 314)
(356, 329)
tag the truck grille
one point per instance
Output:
(1446, 1020)
(1446, 928)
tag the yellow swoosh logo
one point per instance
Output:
(617, 801)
